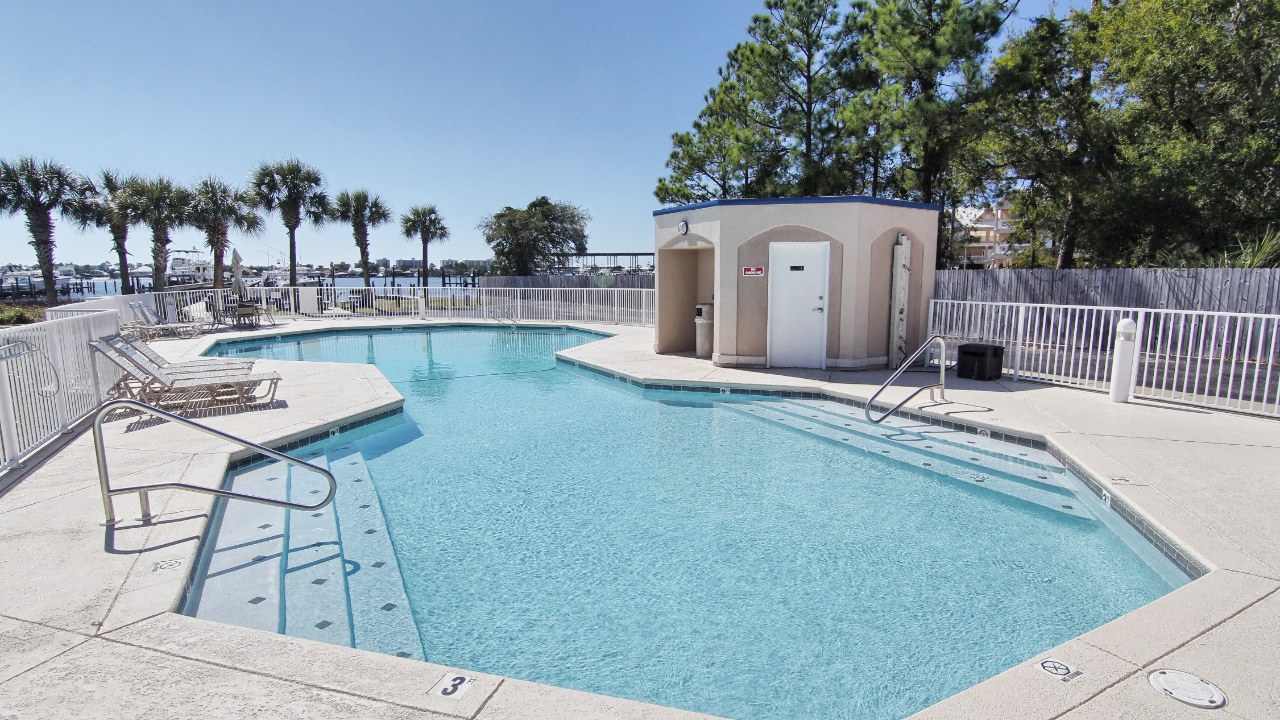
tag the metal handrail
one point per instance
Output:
(941, 385)
(100, 451)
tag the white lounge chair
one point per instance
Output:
(143, 355)
(187, 392)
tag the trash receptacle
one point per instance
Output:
(704, 322)
(979, 361)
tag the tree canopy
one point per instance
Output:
(362, 211)
(536, 237)
(425, 224)
(1137, 132)
(296, 191)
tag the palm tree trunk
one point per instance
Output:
(364, 263)
(293, 256)
(119, 234)
(40, 223)
(159, 255)
(361, 234)
(426, 273)
(219, 245)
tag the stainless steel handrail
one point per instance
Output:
(941, 385)
(100, 450)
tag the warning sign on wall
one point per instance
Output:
(752, 272)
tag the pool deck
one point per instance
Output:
(87, 627)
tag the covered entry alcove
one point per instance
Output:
(797, 282)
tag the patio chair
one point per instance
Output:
(187, 392)
(154, 326)
(135, 349)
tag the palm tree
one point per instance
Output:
(163, 206)
(37, 188)
(363, 212)
(295, 190)
(216, 208)
(112, 206)
(425, 224)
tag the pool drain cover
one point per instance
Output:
(1190, 689)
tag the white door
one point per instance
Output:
(798, 279)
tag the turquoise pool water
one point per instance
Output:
(740, 556)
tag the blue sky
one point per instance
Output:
(471, 106)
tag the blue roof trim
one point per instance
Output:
(801, 201)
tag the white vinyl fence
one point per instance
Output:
(596, 305)
(119, 303)
(49, 378)
(1211, 359)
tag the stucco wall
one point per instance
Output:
(861, 234)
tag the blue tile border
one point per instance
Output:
(1162, 542)
(815, 200)
(286, 335)
(314, 438)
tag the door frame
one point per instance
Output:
(826, 301)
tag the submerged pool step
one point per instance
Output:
(328, 574)
(315, 593)
(380, 610)
(942, 466)
(953, 445)
(241, 582)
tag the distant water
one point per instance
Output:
(112, 287)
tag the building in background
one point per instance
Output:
(988, 244)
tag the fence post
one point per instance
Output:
(1017, 349)
(1137, 352)
(8, 425)
(1122, 356)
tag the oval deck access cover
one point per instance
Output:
(1190, 689)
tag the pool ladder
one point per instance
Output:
(104, 482)
(940, 386)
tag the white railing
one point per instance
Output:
(49, 379)
(119, 303)
(594, 305)
(1211, 359)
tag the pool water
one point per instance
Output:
(741, 556)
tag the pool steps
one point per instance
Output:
(989, 473)
(329, 575)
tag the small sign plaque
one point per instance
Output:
(453, 685)
(752, 272)
(1059, 670)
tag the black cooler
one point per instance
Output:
(978, 361)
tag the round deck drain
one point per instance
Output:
(1190, 689)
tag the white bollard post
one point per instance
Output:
(1122, 361)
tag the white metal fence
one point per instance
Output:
(595, 305)
(1211, 359)
(49, 378)
(119, 303)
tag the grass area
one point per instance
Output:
(21, 314)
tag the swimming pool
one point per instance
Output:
(743, 556)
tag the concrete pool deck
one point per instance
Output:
(87, 628)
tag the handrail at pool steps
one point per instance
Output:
(940, 386)
(100, 452)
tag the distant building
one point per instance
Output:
(383, 262)
(988, 244)
(408, 264)
(476, 264)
